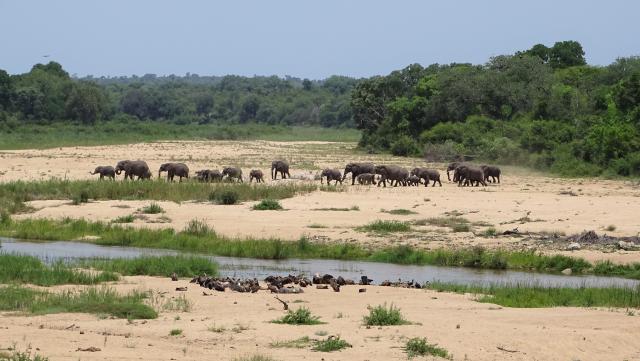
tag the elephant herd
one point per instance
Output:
(465, 174)
(138, 169)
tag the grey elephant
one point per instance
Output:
(413, 180)
(468, 175)
(257, 175)
(491, 171)
(174, 169)
(105, 171)
(208, 175)
(366, 178)
(131, 168)
(232, 173)
(452, 167)
(331, 174)
(356, 169)
(280, 166)
(392, 173)
(427, 174)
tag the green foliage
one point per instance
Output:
(382, 315)
(91, 300)
(175, 332)
(525, 296)
(267, 205)
(22, 356)
(416, 347)
(381, 226)
(27, 269)
(331, 344)
(400, 212)
(152, 208)
(301, 316)
(124, 219)
(224, 196)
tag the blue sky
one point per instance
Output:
(311, 39)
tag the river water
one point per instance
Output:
(260, 268)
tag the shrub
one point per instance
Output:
(152, 208)
(301, 316)
(331, 344)
(404, 146)
(382, 315)
(267, 205)
(82, 197)
(224, 196)
(420, 347)
(124, 219)
(175, 332)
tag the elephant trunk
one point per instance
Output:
(118, 171)
(159, 172)
(92, 173)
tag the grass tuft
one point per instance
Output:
(382, 315)
(380, 226)
(267, 205)
(175, 332)
(400, 212)
(254, 358)
(301, 342)
(152, 208)
(331, 344)
(124, 219)
(420, 347)
(301, 316)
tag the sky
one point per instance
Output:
(307, 39)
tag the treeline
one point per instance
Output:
(544, 107)
(47, 94)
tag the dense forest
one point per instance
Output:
(544, 107)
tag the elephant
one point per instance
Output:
(131, 168)
(395, 174)
(452, 167)
(331, 174)
(491, 171)
(257, 175)
(208, 175)
(366, 178)
(356, 169)
(281, 166)
(105, 171)
(414, 180)
(469, 175)
(232, 173)
(427, 174)
(174, 169)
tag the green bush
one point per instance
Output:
(153, 208)
(301, 316)
(405, 146)
(420, 347)
(331, 344)
(267, 205)
(382, 315)
(224, 196)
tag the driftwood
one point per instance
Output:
(284, 303)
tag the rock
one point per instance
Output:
(627, 246)
(574, 246)
(362, 290)
(567, 271)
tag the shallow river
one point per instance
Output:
(260, 268)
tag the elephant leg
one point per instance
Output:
(353, 179)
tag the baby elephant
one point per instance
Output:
(105, 171)
(366, 178)
(331, 174)
(413, 180)
(208, 175)
(257, 175)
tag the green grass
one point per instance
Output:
(399, 212)
(302, 342)
(526, 296)
(21, 356)
(334, 209)
(419, 347)
(175, 332)
(107, 133)
(301, 316)
(92, 300)
(382, 315)
(124, 219)
(381, 226)
(28, 269)
(197, 237)
(183, 266)
(489, 232)
(455, 223)
(267, 205)
(152, 208)
(13, 194)
(330, 344)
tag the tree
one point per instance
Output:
(541, 51)
(564, 54)
(6, 90)
(307, 84)
(86, 103)
(627, 93)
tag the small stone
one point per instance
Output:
(574, 246)
(627, 246)
(567, 271)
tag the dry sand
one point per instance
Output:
(526, 200)
(467, 329)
